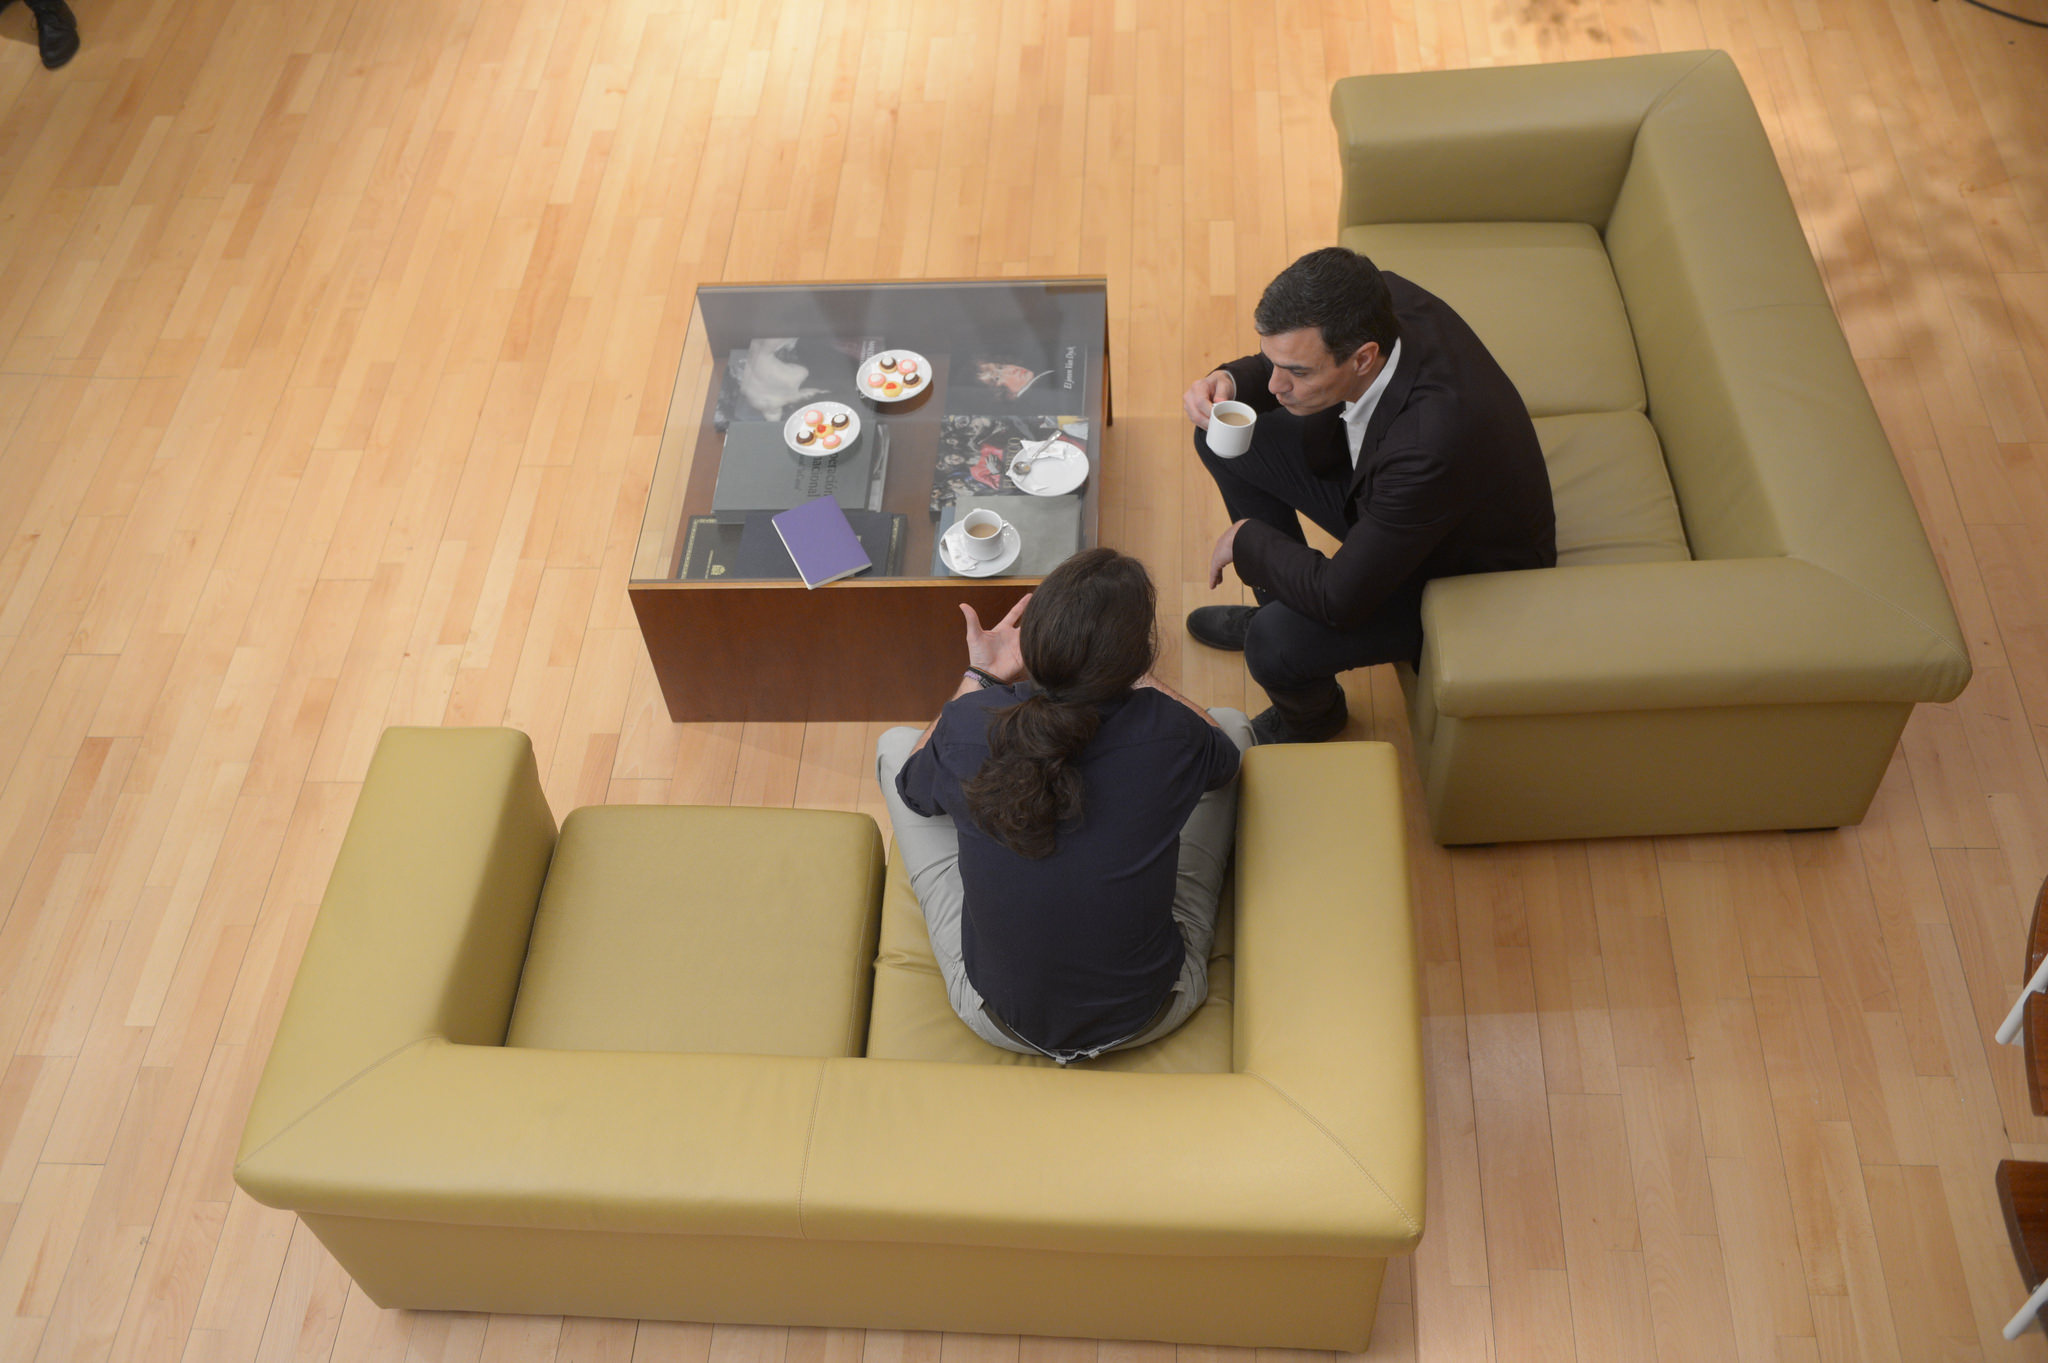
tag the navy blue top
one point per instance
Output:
(1078, 949)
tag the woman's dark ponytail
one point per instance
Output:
(1087, 637)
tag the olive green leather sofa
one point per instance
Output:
(697, 1063)
(1745, 607)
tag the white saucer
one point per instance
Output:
(1057, 469)
(958, 560)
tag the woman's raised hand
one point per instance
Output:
(996, 650)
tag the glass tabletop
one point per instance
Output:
(911, 405)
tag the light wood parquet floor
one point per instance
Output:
(335, 339)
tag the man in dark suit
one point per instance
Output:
(1384, 420)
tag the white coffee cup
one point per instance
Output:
(981, 534)
(1230, 429)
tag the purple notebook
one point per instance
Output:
(821, 540)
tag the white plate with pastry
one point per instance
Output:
(894, 376)
(819, 430)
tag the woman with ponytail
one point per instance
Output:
(1066, 819)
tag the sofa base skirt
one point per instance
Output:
(1732, 769)
(1248, 1301)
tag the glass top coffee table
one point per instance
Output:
(910, 405)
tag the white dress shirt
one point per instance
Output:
(1358, 415)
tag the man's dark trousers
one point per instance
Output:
(1292, 657)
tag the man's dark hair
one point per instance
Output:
(1338, 292)
(1087, 636)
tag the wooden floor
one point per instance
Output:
(335, 338)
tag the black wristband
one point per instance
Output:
(988, 679)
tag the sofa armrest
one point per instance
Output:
(1497, 144)
(1328, 1008)
(423, 929)
(1656, 636)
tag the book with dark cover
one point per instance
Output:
(975, 453)
(1022, 374)
(775, 374)
(714, 552)
(821, 542)
(710, 550)
(1048, 531)
(758, 471)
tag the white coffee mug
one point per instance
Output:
(1230, 429)
(981, 533)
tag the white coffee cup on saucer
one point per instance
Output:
(1230, 429)
(981, 534)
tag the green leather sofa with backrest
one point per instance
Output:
(697, 1063)
(1745, 608)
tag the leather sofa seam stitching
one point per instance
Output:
(803, 1181)
(1407, 1218)
(1942, 640)
(1672, 89)
(332, 1094)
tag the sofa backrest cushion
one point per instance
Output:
(1540, 294)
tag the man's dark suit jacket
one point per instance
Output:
(1450, 478)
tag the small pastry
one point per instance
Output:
(805, 435)
(891, 389)
(912, 380)
(876, 380)
(840, 420)
(886, 363)
(814, 418)
(906, 368)
(829, 441)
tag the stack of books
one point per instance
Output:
(755, 549)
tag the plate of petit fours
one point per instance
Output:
(894, 375)
(821, 429)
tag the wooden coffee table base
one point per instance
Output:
(884, 650)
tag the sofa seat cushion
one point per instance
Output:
(707, 929)
(1612, 491)
(1540, 294)
(912, 1020)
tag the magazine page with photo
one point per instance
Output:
(1024, 374)
(975, 453)
(775, 374)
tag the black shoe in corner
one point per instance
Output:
(1221, 626)
(56, 31)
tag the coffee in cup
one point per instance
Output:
(981, 533)
(1230, 429)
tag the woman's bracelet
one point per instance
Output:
(987, 679)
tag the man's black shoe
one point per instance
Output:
(1269, 727)
(56, 31)
(1221, 626)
